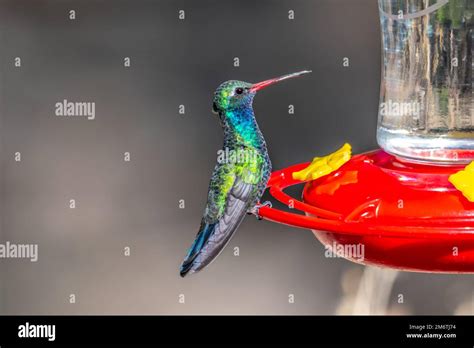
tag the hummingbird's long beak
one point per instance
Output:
(261, 85)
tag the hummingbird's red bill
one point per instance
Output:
(260, 85)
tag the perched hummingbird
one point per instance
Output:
(238, 181)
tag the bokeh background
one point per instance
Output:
(136, 204)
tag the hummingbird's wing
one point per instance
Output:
(229, 198)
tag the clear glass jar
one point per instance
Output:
(426, 110)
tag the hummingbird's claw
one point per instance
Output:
(255, 209)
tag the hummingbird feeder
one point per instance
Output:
(411, 203)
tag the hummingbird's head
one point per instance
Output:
(234, 94)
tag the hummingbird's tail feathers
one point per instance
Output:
(203, 235)
(212, 239)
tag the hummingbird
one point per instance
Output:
(239, 179)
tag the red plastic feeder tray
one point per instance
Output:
(407, 216)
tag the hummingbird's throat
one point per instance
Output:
(240, 127)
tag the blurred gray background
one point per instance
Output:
(135, 204)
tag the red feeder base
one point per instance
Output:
(398, 214)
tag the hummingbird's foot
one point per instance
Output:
(256, 208)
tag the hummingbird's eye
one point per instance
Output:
(239, 90)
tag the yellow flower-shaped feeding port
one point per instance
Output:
(464, 181)
(321, 166)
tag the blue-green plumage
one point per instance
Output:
(240, 176)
